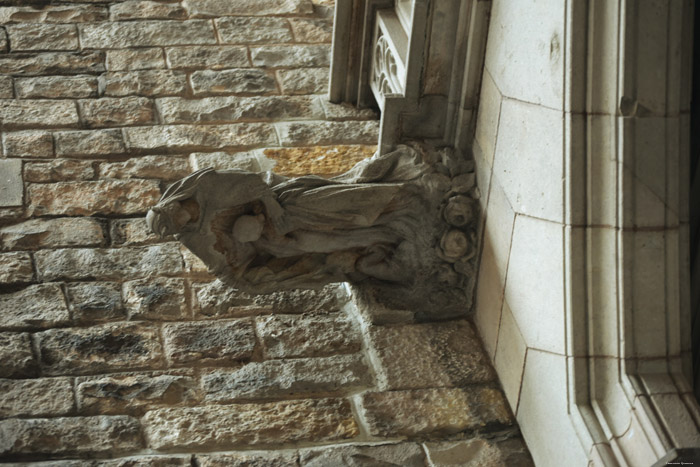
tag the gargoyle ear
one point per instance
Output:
(186, 187)
(248, 228)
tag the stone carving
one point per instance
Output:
(401, 225)
(384, 79)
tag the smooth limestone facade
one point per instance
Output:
(119, 349)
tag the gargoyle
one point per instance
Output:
(393, 222)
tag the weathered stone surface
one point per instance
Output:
(155, 299)
(11, 188)
(130, 232)
(58, 170)
(145, 9)
(30, 36)
(134, 393)
(479, 451)
(36, 398)
(95, 143)
(159, 167)
(273, 423)
(112, 111)
(146, 33)
(16, 356)
(52, 14)
(248, 7)
(6, 89)
(69, 436)
(144, 461)
(53, 63)
(233, 81)
(56, 87)
(108, 264)
(28, 144)
(430, 355)
(318, 160)
(3, 40)
(404, 455)
(15, 267)
(213, 57)
(312, 30)
(93, 197)
(106, 347)
(135, 59)
(36, 306)
(38, 113)
(195, 137)
(284, 378)
(249, 459)
(218, 300)
(433, 412)
(144, 83)
(308, 335)
(306, 81)
(42, 233)
(238, 109)
(347, 112)
(302, 301)
(309, 133)
(209, 342)
(193, 265)
(253, 161)
(245, 30)
(95, 301)
(291, 55)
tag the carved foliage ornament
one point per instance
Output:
(401, 225)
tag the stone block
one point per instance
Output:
(155, 299)
(69, 436)
(347, 112)
(231, 109)
(16, 268)
(248, 7)
(275, 423)
(52, 14)
(11, 185)
(108, 264)
(53, 63)
(193, 265)
(130, 232)
(249, 459)
(275, 56)
(36, 397)
(95, 301)
(16, 356)
(93, 197)
(487, 117)
(209, 342)
(329, 298)
(54, 87)
(479, 451)
(119, 35)
(145, 461)
(433, 412)
(325, 161)
(201, 137)
(51, 233)
(233, 81)
(214, 57)
(38, 113)
(326, 133)
(91, 143)
(246, 30)
(145, 9)
(157, 167)
(135, 59)
(112, 111)
(28, 144)
(312, 30)
(275, 379)
(37, 36)
(403, 454)
(6, 87)
(252, 161)
(429, 355)
(59, 170)
(134, 393)
(218, 300)
(307, 335)
(305, 81)
(144, 83)
(101, 348)
(510, 356)
(36, 306)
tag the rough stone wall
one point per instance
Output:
(117, 346)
